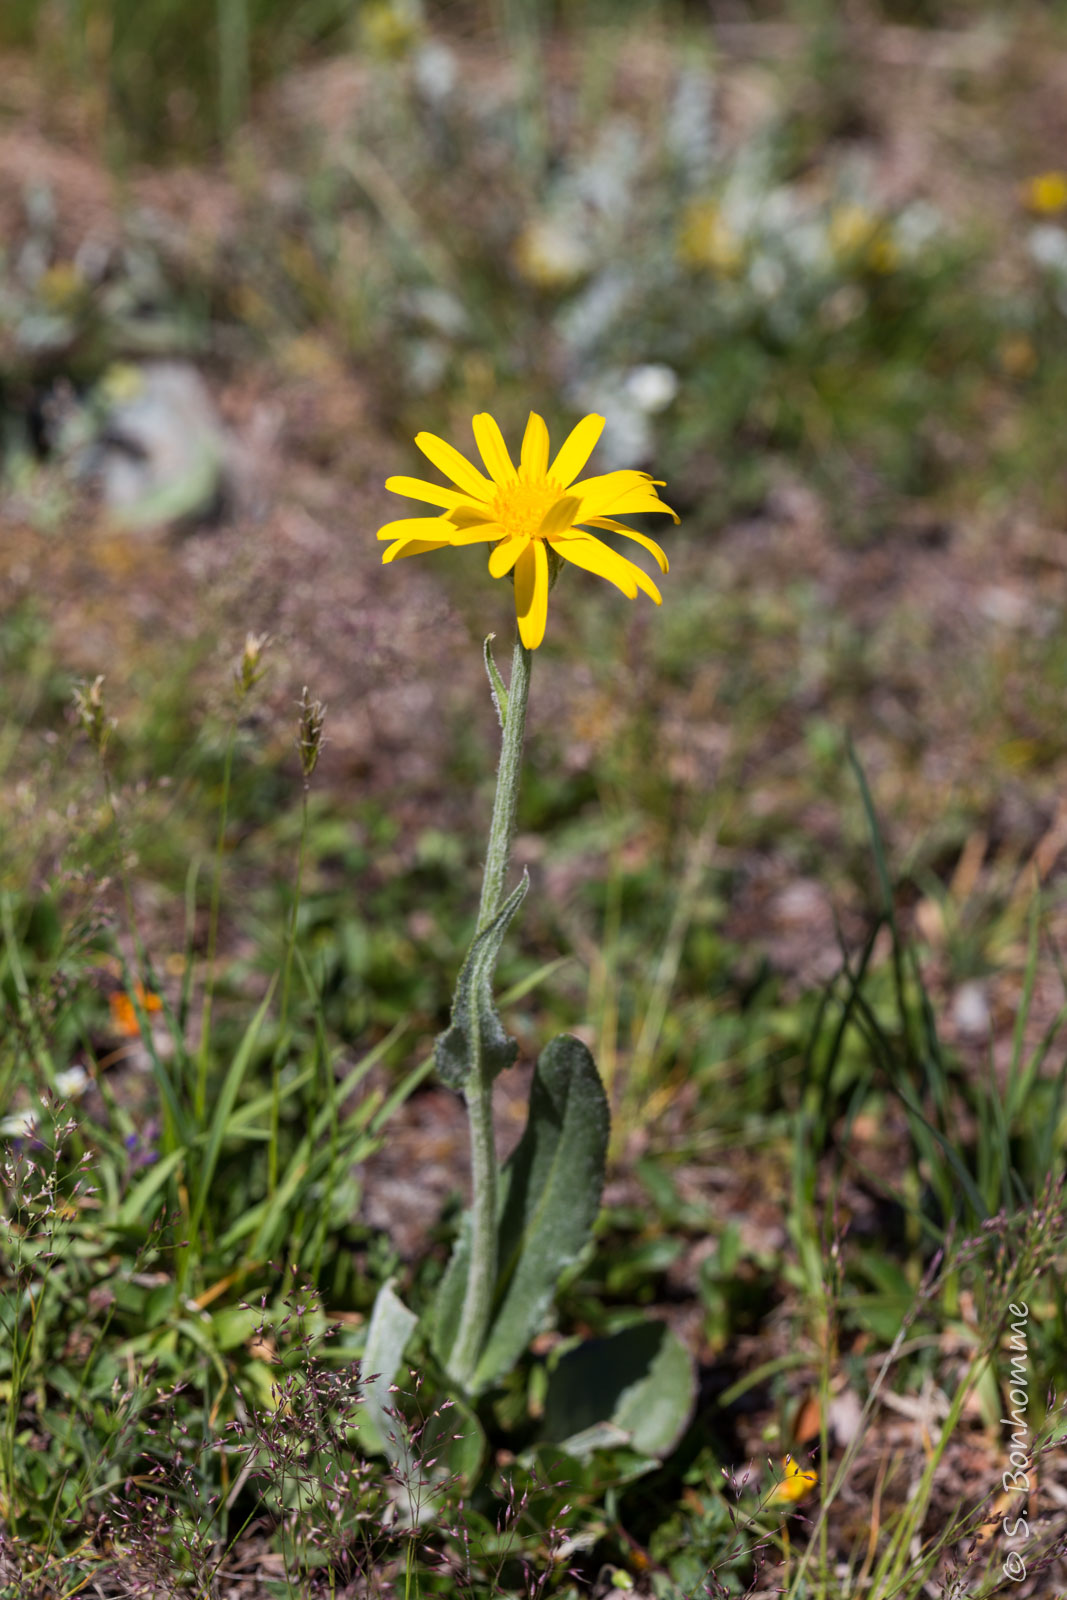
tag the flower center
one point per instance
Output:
(520, 506)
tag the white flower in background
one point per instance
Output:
(439, 309)
(626, 400)
(916, 228)
(767, 276)
(651, 386)
(71, 1082)
(435, 71)
(21, 1125)
(551, 253)
(1047, 246)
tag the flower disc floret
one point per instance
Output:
(520, 507)
(525, 510)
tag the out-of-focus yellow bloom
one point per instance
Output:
(1046, 193)
(706, 241)
(551, 256)
(123, 1014)
(62, 286)
(851, 229)
(796, 1484)
(390, 27)
(121, 383)
(857, 235)
(532, 514)
(882, 253)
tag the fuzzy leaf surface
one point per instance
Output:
(550, 1196)
(391, 1326)
(640, 1381)
(476, 1041)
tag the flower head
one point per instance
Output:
(124, 1012)
(796, 1483)
(533, 514)
(1046, 193)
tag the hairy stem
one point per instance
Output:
(481, 1277)
(506, 800)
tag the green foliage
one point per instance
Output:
(865, 416)
(476, 1043)
(638, 1385)
(548, 1201)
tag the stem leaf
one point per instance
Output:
(496, 682)
(476, 1041)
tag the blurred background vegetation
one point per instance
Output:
(797, 837)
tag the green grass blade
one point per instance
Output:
(219, 1124)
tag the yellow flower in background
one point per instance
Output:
(1046, 193)
(797, 1483)
(707, 240)
(532, 514)
(551, 255)
(856, 234)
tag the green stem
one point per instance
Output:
(506, 800)
(200, 1102)
(481, 1276)
(282, 1046)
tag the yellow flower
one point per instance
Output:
(1046, 193)
(795, 1485)
(531, 514)
(707, 240)
(858, 236)
(552, 256)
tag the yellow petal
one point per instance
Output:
(484, 533)
(596, 557)
(494, 451)
(449, 461)
(636, 502)
(576, 450)
(507, 552)
(599, 494)
(632, 533)
(559, 516)
(434, 494)
(410, 547)
(535, 448)
(468, 516)
(434, 528)
(797, 1482)
(531, 593)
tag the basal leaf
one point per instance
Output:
(550, 1196)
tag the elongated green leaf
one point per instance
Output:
(476, 1041)
(451, 1291)
(224, 1106)
(549, 1198)
(391, 1326)
(136, 1202)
